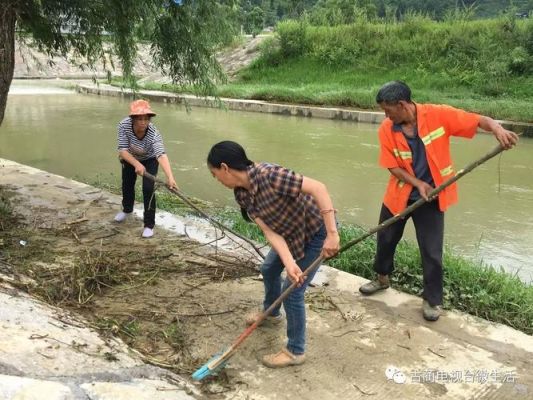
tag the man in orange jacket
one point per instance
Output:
(415, 148)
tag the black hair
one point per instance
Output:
(230, 153)
(233, 155)
(393, 92)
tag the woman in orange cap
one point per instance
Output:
(141, 149)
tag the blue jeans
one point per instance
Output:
(294, 304)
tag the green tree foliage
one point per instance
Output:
(341, 12)
(336, 12)
(254, 14)
(183, 34)
(255, 20)
(273, 11)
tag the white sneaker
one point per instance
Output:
(121, 216)
(147, 233)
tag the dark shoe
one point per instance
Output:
(373, 287)
(430, 313)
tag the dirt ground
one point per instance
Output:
(163, 296)
(175, 301)
(178, 303)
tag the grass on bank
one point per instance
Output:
(484, 66)
(469, 286)
(311, 82)
(303, 81)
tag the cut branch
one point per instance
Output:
(213, 221)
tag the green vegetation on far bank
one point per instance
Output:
(484, 66)
(472, 287)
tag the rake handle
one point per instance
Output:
(247, 332)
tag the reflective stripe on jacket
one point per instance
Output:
(436, 123)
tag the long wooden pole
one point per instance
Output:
(218, 362)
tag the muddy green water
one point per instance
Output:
(74, 135)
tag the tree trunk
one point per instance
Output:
(7, 53)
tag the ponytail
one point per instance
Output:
(233, 155)
(230, 153)
(245, 215)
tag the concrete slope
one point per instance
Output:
(354, 342)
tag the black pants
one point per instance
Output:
(429, 227)
(129, 177)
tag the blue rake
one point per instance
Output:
(212, 367)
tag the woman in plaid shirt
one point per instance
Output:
(296, 215)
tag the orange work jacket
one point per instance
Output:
(435, 123)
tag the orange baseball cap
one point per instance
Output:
(141, 107)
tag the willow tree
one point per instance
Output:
(183, 35)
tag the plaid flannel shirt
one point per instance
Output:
(276, 197)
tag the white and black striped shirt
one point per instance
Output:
(150, 146)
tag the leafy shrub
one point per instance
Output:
(471, 52)
(293, 38)
(528, 36)
(270, 52)
(520, 61)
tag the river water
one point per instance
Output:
(74, 135)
